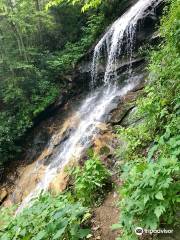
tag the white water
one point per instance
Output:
(121, 34)
(96, 105)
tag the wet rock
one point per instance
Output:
(28, 178)
(45, 154)
(126, 105)
(59, 183)
(103, 127)
(37, 145)
(3, 195)
(156, 38)
(131, 118)
(65, 136)
(7, 203)
(104, 145)
(120, 113)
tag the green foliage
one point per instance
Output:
(90, 181)
(6, 216)
(151, 170)
(150, 194)
(25, 89)
(48, 218)
(58, 217)
(86, 4)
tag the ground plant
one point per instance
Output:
(48, 218)
(90, 181)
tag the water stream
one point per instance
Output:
(96, 105)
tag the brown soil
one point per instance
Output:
(104, 217)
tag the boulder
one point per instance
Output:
(126, 106)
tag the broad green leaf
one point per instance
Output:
(83, 233)
(59, 233)
(41, 235)
(159, 196)
(159, 210)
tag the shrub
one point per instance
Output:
(90, 180)
(149, 195)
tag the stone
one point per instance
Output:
(103, 144)
(126, 105)
(103, 127)
(7, 203)
(3, 194)
(62, 178)
(131, 118)
(59, 183)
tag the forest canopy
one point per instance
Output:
(86, 5)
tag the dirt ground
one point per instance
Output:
(104, 217)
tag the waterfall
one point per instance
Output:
(97, 104)
(121, 34)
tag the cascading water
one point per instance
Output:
(120, 35)
(97, 104)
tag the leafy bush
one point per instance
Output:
(151, 170)
(90, 180)
(6, 214)
(149, 195)
(48, 218)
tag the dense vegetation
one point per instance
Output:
(48, 218)
(87, 4)
(91, 181)
(64, 216)
(151, 173)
